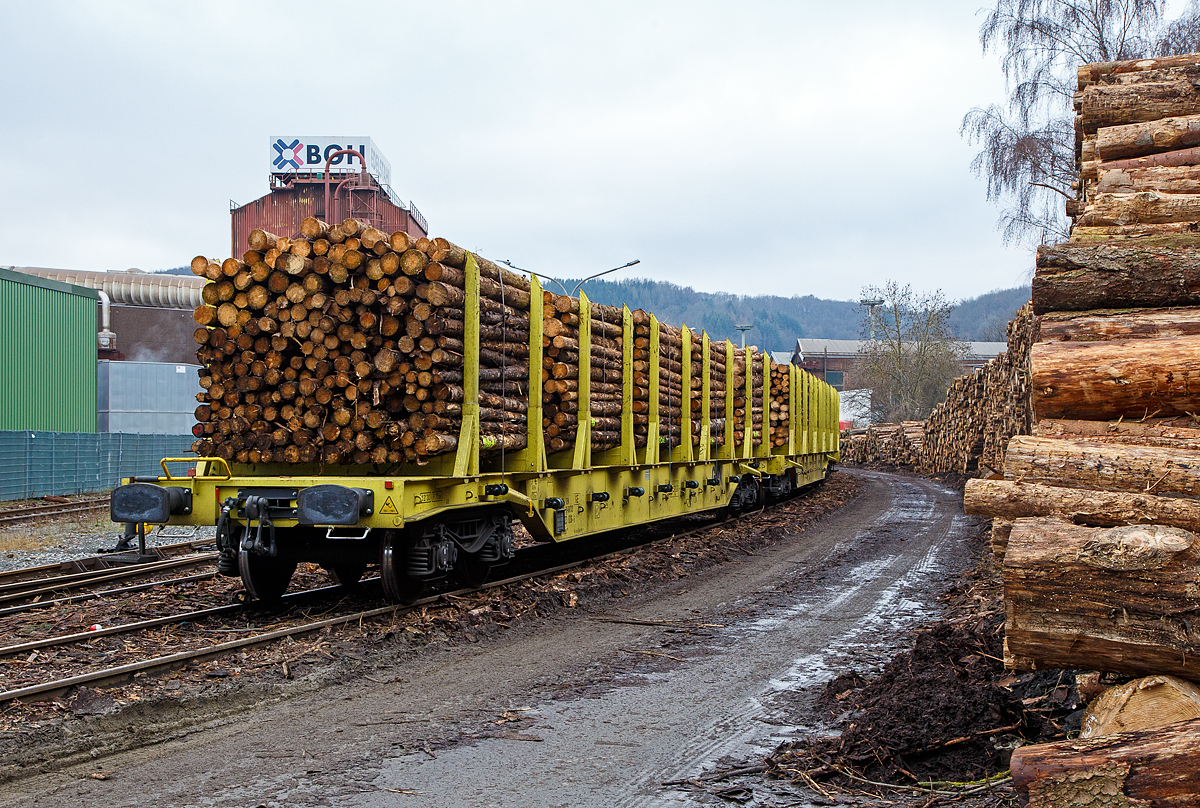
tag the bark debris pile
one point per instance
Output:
(944, 714)
(1096, 513)
(345, 345)
(968, 432)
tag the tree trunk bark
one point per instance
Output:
(1182, 180)
(1155, 136)
(1097, 71)
(1139, 378)
(1008, 500)
(1082, 277)
(1110, 599)
(1164, 432)
(1178, 157)
(1178, 234)
(1104, 466)
(1105, 106)
(1144, 207)
(1159, 768)
(1119, 324)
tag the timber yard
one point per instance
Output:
(342, 511)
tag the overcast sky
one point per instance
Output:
(779, 147)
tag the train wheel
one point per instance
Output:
(266, 578)
(471, 570)
(347, 574)
(398, 585)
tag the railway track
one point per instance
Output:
(536, 561)
(28, 513)
(38, 587)
(96, 563)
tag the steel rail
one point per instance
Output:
(198, 655)
(28, 512)
(171, 661)
(12, 592)
(41, 604)
(49, 572)
(143, 625)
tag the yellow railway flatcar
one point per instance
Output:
(453, 515)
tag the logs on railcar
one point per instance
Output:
(346, 345)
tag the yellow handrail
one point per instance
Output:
(197, 461)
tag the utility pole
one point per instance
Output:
(743, 329)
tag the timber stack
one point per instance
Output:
(886, 444)
(1096, 514)
(968, 432)
(344, 345)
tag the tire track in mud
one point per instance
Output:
(846, 592)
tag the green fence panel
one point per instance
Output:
(34, 464)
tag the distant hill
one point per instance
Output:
(985, 318)
(778, 321)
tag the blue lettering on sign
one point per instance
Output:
(312, 155)
(330, 149)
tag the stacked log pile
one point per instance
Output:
(345, 345)
(898, 445)
(967, 432)
(1097, 513)
(560, 359)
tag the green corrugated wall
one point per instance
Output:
(47, 355)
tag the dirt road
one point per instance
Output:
(599, 706)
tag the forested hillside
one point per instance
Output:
(778, 321)
(985, 318)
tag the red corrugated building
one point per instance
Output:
(317, 177)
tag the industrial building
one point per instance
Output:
(98, 372)
(75, 413)
(330, 179)
(830, 359)
(47, 354)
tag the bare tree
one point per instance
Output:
(1027, 149)
(913, 356)
(1181, 35)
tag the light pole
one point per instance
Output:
(871, 303)
(581, 283)
(743, 329)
